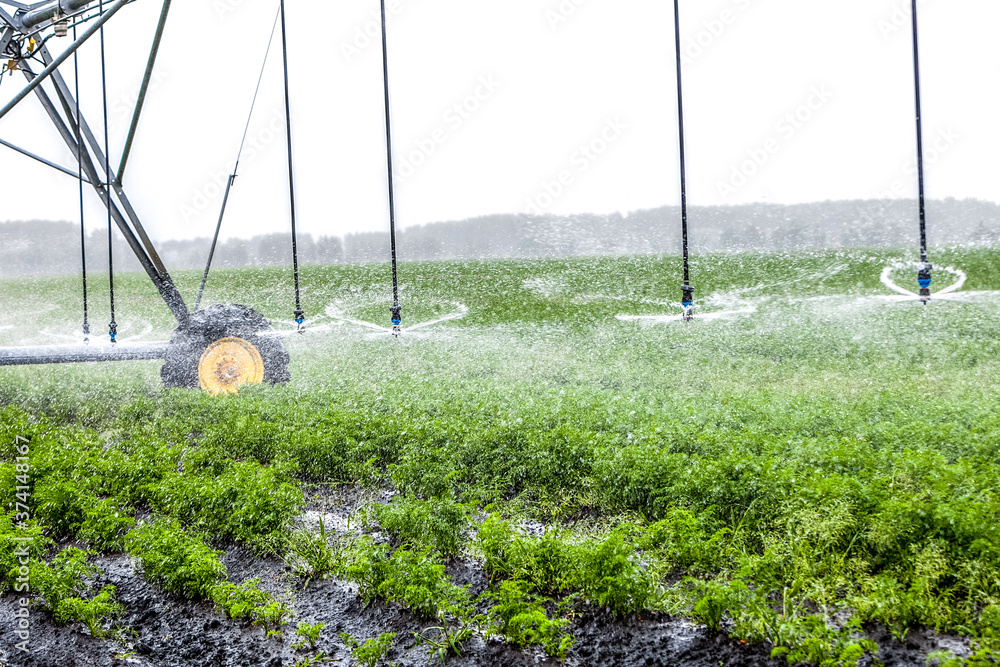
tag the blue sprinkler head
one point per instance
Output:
(113, 331)
(687, 295)
(300, 320)
(397, 315)
(924, 279)
(687, 300)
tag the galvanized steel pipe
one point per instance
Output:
(72, 354)
(28, 21)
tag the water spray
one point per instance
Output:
(924, 277)
(334, 312)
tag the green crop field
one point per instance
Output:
(828, 458)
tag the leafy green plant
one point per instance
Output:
(62, 505)
(425, 474)
(372, 650)
(17, 543)
(366, 472)
(444, 640)
(982, 657)
(273, 616)
(606, 572)
(179, 563)
(438, 523)
(62, 585)
(610, 577)
(318, 659)
(522, 619)
(416, 579)
(245, 601)
(309, 634)
(455, 626)
(93, 612)
(817, 643)
(105, 525)
(310, 554)
(64, 577)
(712, 600)
(503, 553)
(248, 502)
(243, 437)
(686, 541)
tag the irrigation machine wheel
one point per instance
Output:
(222, 348)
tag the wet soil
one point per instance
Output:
(162, 630)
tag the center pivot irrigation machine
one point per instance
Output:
(222, 347)
(217, 348)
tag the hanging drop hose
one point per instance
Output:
(215, 241)
(112, 326)
(687, 292)
(79, 178)
(925, 268)
(300, 316)
(396, 311)
(236, 167)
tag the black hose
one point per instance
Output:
(79, 173)
(687, 298)
(920, 139)
(396, 311)
(112, 326)
(299, 313)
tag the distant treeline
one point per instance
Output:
(34, 248)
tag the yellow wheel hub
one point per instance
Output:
(229, 363)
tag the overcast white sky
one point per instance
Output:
(551, 78)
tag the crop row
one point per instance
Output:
(763, 532)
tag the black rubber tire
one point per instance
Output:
(190, 340)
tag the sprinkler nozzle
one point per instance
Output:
(397, 318)
(687, 301)
(300, 320)
(924, 279)
(113, 331)
(86, 333)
